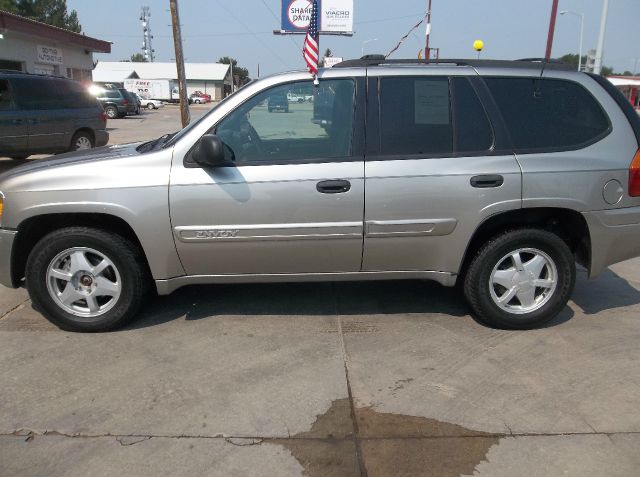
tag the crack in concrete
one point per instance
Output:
(28, 433)
(15, 308)
(130, 441)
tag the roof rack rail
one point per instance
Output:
(380, 60)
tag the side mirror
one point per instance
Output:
(209, 151)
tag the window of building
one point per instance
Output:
(415, 116)
(293, 122)
(548, 114)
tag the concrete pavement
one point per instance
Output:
(333, 379)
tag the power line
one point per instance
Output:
(263, 44)
(277, 20)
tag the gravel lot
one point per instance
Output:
(323, 379)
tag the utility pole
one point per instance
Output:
(597, 67)
(147, 47)
(182, 80)
(552, 29)
(427, 48)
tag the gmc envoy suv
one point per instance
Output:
(499, 175)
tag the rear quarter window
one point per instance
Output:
(548, 114)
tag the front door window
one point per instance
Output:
(296, 122)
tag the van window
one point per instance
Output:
(548, 114)
(294, 122)
(73, 95)
(473, 129)
(6, 98)
(415, 116)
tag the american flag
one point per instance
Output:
(311, 50)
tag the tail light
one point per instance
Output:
(634, 176)
(103, 116)
(125, 102)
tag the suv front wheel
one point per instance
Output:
(86, 279)
(520, 279)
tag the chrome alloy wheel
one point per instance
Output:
(82, 143)
(83, 282)
(523, 281)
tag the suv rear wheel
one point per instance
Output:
(111, 112)
(520, 279)
(86, 279)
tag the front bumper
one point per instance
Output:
(102, 137)
(7, 238)
(615, 237)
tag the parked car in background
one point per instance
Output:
(500, 175)
(278, 102)
(198, 97)
(134, 99)
(116, 102)
(150, 103)
(47, 115)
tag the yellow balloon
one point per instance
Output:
(478, 45)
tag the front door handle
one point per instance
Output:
(333, 187)
(487, 181)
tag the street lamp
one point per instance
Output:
(365, 42)
(581, 15)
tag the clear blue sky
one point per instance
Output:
(243, 29)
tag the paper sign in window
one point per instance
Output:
(432, 102)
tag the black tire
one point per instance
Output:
(478, 287)
(83, 137)
(126, 258)
(111, 112)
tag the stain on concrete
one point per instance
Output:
(390, 444)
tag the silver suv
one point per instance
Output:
(497, 175)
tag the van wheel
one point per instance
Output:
(81, 141)
(111, 112)
(86, 279)
(520, 279)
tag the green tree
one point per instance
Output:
(572, 60)
(627, 73)
(138, 58)
(9, 6)
(51, 12)
(238, 71)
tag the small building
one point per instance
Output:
(210, 78)
(35, 47)
(629, 86)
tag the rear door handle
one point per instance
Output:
(487, 181)
(333, 187)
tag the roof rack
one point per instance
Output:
(380, 60)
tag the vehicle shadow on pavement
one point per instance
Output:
(6, 164)
(605, 293)
(309, 299)
(329, 298)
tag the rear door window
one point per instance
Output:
(473, 129)
(548, 114)
(415, 116)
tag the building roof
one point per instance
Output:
(624, 80)
(16, 23)
(118, 71)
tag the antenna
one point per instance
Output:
(147, 47)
